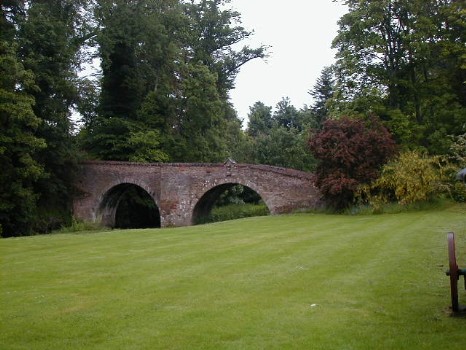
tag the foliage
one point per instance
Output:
(279, 138)
(410, 178)
(458, 192)
(323, 93)
(287, 116)
(237, 194)
(284, 147)
(434, 204)
(215, 35)
(458, 151)
(260, 119)
(19, 145)
(457, 161)
(78, 226)
(49, 38)
(167, 68)
(350, 153)
(405, 61)
(233, 212)
(200, 125)
(145, 145)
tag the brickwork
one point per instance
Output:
(182, 191)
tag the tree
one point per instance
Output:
(138, 48)
(278, 138)
(350, 152)
(404, 60)
(322, 92)
(212, 49)
(49, 38)
(285, 148)
(168, 66)
(214, 34)
(201, 122)
(41, 42)
(287, 116)
(260, 119)
(18, 145)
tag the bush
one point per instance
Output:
(350, 153)
(458, 192)
(48, 223)
(79, 226)
(234, 211)
(411, 178)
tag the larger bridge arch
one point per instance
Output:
(181, 191)
(205, 204)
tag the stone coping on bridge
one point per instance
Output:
(270, 168)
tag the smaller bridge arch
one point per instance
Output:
(178, 189)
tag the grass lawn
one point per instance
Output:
(304, 281)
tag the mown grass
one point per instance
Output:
(304, 281)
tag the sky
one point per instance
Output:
(300, 33)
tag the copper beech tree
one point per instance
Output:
(350, 152)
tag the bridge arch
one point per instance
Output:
(128, 205)
(206, 202)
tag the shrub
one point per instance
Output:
(412, 177)
(458, 150)
(234, 211)
(350, 153)
(79, 226)
(458, 192)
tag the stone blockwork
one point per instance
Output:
(185, 190)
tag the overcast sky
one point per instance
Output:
(300, 33)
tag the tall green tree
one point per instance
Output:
(287, 116)
(280, 137)
(260, 119)
(139, 48)
(404, 60)
(215, 32)
(322, 93)
(19, 143)
(50, 37)
(214, 39)
(167, 66)
(199, 135)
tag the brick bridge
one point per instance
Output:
(184, 192)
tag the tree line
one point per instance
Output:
(162, 92)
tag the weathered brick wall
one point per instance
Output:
(178, 188)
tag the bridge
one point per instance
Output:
(183, 192)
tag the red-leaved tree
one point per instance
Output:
(350, 153)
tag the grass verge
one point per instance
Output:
(304, 281)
